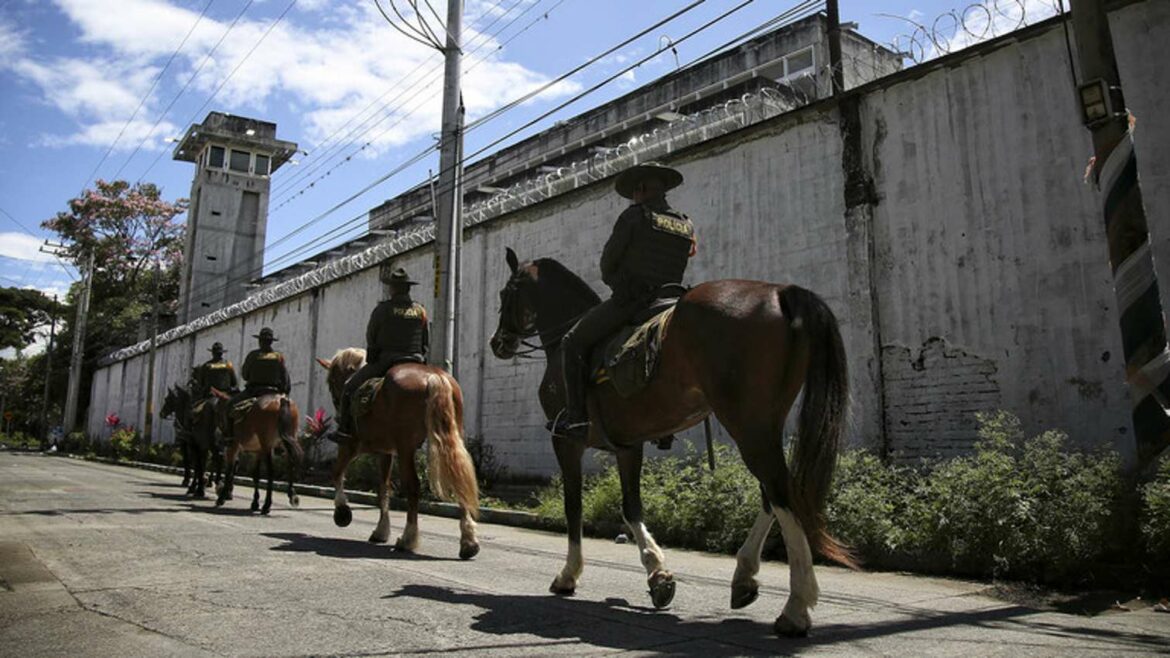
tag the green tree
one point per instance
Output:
(22, 312)
(129, 229)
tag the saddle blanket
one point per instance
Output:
(364, 396)
(629, 359)
(241, 409)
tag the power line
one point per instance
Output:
(195, 116)
(195, 74)
(26, 230)
(303, 174)
(147, 95)
(288, 196)
(800, 7)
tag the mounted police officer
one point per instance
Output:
(649, 248)
(264, 370)
(397, 333)
(217, 372)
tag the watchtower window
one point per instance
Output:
(799, 63)
(240, 161)
(215, 157)
(262, 162)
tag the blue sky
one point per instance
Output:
(73, 73)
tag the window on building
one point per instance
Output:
(799, 63)
(215, 157)
(261, 165)
(240, 161)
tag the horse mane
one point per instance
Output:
(550, 266)
(348, 358)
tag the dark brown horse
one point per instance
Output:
(416, 403)
(195, 433)
(271, 421)
(742, 350)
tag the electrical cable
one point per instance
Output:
(803, 6)
(235, 69)
(206, 58)
(283, 196)
(145, 96)
(800, 7)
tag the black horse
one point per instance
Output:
(196, 433)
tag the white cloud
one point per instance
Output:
(22, 246)
(332, 66)
(966, 26)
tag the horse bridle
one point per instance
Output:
(521, 336)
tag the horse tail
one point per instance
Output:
(286, 425)
(822, 420)
(449, 467)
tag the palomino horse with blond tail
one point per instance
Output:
(742, 350)
(416, 403)
(272, 420)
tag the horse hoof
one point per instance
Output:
(342, 516)
(468, 551)
(294, 500)
(785, 627)
(200, 496)
(557, 589)
(375, 539)
(219, 502)
(744, 595)
(265, 510)
(255, 507)
(661, 589)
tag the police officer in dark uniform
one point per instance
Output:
(216, 372)
(650, 246)
(264, 370)
(397, 333)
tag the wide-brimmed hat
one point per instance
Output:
(216, 346)
(265, 334)
(399, 277)
(628, 180)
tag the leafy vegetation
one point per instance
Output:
(1155, 523)
(1018, 507)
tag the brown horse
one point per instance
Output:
(271, 421)
(416, 403)
(742, 350)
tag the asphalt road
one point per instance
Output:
(108, 560)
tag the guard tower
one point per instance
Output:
(234, 158)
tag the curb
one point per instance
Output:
(497, 516)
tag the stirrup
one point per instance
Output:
(561, 427)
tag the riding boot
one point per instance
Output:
(574, 422)
(344, 431)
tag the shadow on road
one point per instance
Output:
(616, 624)
(297, 542)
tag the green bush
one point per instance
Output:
(75, 442)
(1022, 508)
(19, 440)
(1026, 508)
(1155, 522)
(124, 443)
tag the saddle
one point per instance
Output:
(364, 396)
(240, 409)
(629, 359)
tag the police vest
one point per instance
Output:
(401, 329)
(218, 374)
(265, 369)
(659, 250)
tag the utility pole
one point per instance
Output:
(148, 422)
(448, 201)
(449, 214)
(1143, 325)
(69, 421)
(48, 375)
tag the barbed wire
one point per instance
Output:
(690, 129)
(957, 29)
